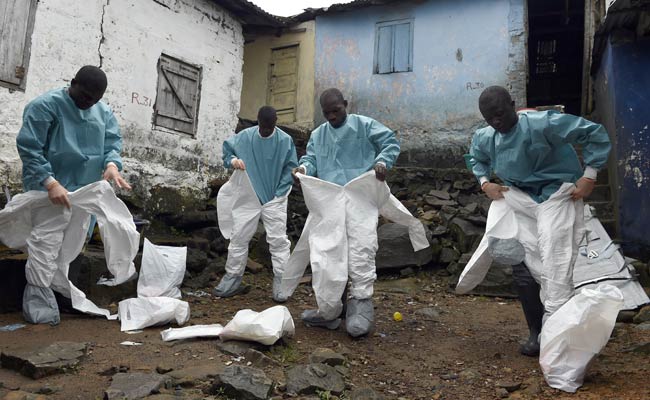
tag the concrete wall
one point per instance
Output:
(126, 38)
(460, 47)
(623, 106)
(257, 56)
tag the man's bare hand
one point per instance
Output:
(493, 190)
(584, 187)
(112, 174)
(297, 170)
(238, 164)
(380, 171)
(58, 194)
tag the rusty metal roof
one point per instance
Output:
(251, 15)
(311, 13)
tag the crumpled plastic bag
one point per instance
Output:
(265, 327)
(576, 333)
(162, 270)
(143, 312)
(190, 332)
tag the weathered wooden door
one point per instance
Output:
(177, 100)
(283, 83)
(16, 25)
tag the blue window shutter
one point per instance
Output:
(402, 47)
(384, 50)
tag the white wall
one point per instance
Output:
(127, 37)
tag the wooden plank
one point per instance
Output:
(177, 97)
(175, 92)
(285, 52)
(285, 83)
(12, 42)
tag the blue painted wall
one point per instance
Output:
(623, 104)
(460, 47)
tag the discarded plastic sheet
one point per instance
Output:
(324, 239)
(21, 217)
(265, 327)
(576, 333)
(12, 327)
(190, 332)
(130, 343)
(198, 293)
(142, 312)
(162, 270)
(135, 332)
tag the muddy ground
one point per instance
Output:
(465, 354)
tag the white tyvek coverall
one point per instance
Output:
(340, 238)
(550, 232)
(54, 236)
(239, 211)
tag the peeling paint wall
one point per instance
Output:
(459, 48)
(126, 38)
(623, 105)
(257, 57)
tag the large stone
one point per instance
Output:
(365, 394)
(448, 255)
(436, 202)
(244, 383)
(466, 234)
(428, 314)
(135, 385)
(53, 359)
(326, 356)
(497, 283)
(238, 348)
(259, 359)
(197, 260)
(190, 220)
(395, 249)
(193, 376)
(642, 316)
(311, 378)
(441, 194)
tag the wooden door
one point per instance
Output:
(283, 83)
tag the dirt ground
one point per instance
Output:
(465, 354)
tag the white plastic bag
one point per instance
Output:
(162, 271)
(265, 327)
(576, 333)
(190, 332)
(142, 312)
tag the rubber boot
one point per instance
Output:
(277, 284)
(528, 291)
(359, 317)
(229, 286)
(312, 318)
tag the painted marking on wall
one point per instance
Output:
(474, 85)
(142, 100)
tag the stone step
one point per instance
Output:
(601, 193)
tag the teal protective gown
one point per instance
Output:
(269, 160)
(537, 155)
(341, 154)
(60, 140)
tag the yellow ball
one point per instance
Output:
(397, 316)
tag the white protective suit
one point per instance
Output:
(239, 211)
(340, 238)
(550, 233)
(53, 237)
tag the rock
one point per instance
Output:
(466, 234)
(197, 260)
(254, 266)
(642, 316)
(428, 314)
(448, 255)
(163, 369)
(497, 282)
(41, 389)
(439, 230)
(259, 359)
(465, 184)
(438, 203)
(365, 394)
(244, 383)
(643, 327)
(20, 395)
(502, 393)
(625, 316)
(326, 356)
(56, 358)
(641, 349)
(431, 215)
(406, 272)
(192, 220)
(308, 379)
(199, 244)
(469, 375)
(238, 348)
(471, 207)
(441, 194)
(135, 385)
(510, 386)
(193, 376)
(395, 249)
(477, 220)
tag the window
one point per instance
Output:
(16, 25)
(394, 46)
(177, 98)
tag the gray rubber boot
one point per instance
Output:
(359, 317)
(277, 284)
(312, 318)
(40, 306)
(229, 286)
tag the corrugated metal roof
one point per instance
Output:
(311, 13)
(252, 15)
